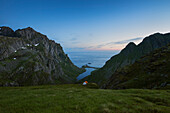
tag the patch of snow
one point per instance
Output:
(29, 45)
(23, 47)
(36, 44)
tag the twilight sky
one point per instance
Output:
(80, 25)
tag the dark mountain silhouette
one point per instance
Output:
(151, 72)
(128, 55)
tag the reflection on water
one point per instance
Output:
(88, 71)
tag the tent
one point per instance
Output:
(85, 83)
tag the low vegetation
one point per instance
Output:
(75, 98)
(150, 71)
(128, 56)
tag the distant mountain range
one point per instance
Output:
(127, 56)
(28, 57)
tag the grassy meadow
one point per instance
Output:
(75, 98)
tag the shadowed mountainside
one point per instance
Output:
(151, 72)
(128, 55)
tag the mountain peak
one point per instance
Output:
(26, 29)
(5, 27)
(29, 28)
(158, 33)
(131, 44)
(154, 35)
(6, 31)
(28, 33)
(129, 48)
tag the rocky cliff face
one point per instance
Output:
(28, 57)
(151, 72)
(127, 56)
(6, 31)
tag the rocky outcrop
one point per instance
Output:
(6, 31)
(151, 72)
(30, 58)
(127, 56)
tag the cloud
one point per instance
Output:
(126, 41)
(116, 43)
(99, 46)
(74, 35)
(75, 49)
(73, 39)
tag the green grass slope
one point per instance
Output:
(75, 98)
(150, 71)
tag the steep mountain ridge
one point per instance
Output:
(127, 56)
(30, 58)
(150, 71)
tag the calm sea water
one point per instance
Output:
(95, 58)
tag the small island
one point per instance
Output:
(87, 66)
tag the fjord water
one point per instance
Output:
(94, 58)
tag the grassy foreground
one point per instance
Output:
(74, 98)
